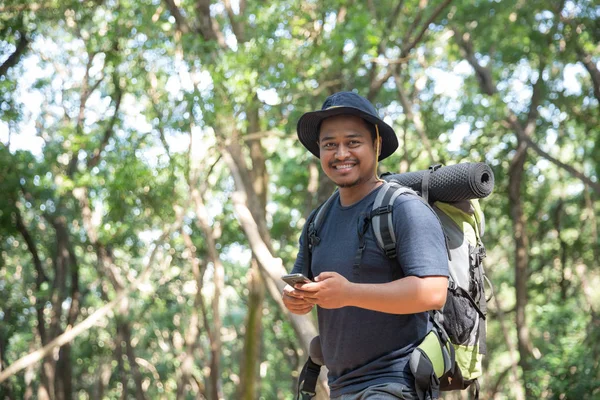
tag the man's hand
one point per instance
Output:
(330, 290)
(294, 300)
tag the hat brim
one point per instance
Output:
(309, 123)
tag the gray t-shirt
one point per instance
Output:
(363, 347)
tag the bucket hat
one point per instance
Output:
(348, 103)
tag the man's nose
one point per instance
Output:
(341, 152)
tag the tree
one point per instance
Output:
(143, 238)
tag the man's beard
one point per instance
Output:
(350, 184)
(356, 182)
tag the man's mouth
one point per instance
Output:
(342, 167)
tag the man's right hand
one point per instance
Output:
(294, 301)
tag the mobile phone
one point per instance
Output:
(293, 279)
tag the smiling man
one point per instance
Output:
(372, 312)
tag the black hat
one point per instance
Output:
(345, 103)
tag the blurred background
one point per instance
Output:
(153, 189)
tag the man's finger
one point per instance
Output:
(325, 275)
(308, 287)
(301, 308)
(310, 297)
(296, 294)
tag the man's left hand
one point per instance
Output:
(329, 290)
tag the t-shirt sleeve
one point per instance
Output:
(420, 241)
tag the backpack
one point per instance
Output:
(450, 357)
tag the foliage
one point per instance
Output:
(116, 117)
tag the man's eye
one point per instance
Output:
(329, 145)
(354, 143)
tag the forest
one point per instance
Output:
(154, 189)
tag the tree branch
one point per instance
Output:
(70, 334)
(523, 133)
(237, 26)
(536, 98)
(425, 27)
(108, 132)
(416, 119)
(14, 58)
(41, 275)
(86, 91)
(589, 64)
(181, 22)
(390, 25)
(483, 74)
(59, 341)
(498, 385)
(207, 26)
(22, 7)
(105, 261)
(415, 22)
(570, 169)
(376, 84)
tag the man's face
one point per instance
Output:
(347, 150)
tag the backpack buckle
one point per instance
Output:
(313, 239)
(390, 250)
(452, 285)
(482, 253)
(382, 210)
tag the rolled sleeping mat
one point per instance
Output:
(450, 183)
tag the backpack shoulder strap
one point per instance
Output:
(381, 216)
(309, 232)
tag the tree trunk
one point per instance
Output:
(249, 366)
(191, 337)
(46, 387)
(271, 267)
(125, 333)
(6, 389)
(122, 374)
(198, 188)
(517, 168)
(515, 382)
(48, 370)
(30, 378)
(64, 377)
(63, 385)
(105, 372)
(215, 388)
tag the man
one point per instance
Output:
(371, 317)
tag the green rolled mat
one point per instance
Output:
(450, 183)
